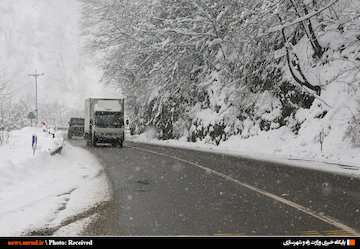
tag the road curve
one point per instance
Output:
(161, 190)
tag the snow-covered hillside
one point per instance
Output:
(279, 77)
(334, 115)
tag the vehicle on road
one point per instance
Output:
(76, 127)
(104, 121)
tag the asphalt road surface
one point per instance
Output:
(161, 190)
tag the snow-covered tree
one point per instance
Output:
(172, 57)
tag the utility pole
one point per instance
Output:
(36, 76)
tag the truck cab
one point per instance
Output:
(76, 127)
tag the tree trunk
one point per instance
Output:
(318, 50)
(304, 81)
(317, 47)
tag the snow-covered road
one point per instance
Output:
(162, 190)
(43, 192)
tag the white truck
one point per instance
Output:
(104, 121)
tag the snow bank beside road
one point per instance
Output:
(266, 149)
(46, 192)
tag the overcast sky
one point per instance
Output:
(45, 35)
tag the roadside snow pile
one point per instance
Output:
(348, 168)
(43, 192)
(149, 134)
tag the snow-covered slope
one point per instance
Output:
(44, 192)
(332, 115)
(281, 121)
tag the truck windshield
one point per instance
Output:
(77, 121)
(109, 119)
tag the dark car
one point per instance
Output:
(76, 127)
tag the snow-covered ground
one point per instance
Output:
(46, 192)
(260, 148)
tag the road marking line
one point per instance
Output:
(324, 218)
(337, 233)
(312, 233)
(228, 234)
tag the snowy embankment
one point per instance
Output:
(43, 192)
(257, 149)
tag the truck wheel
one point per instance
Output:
(87, 139)
(93, 141)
